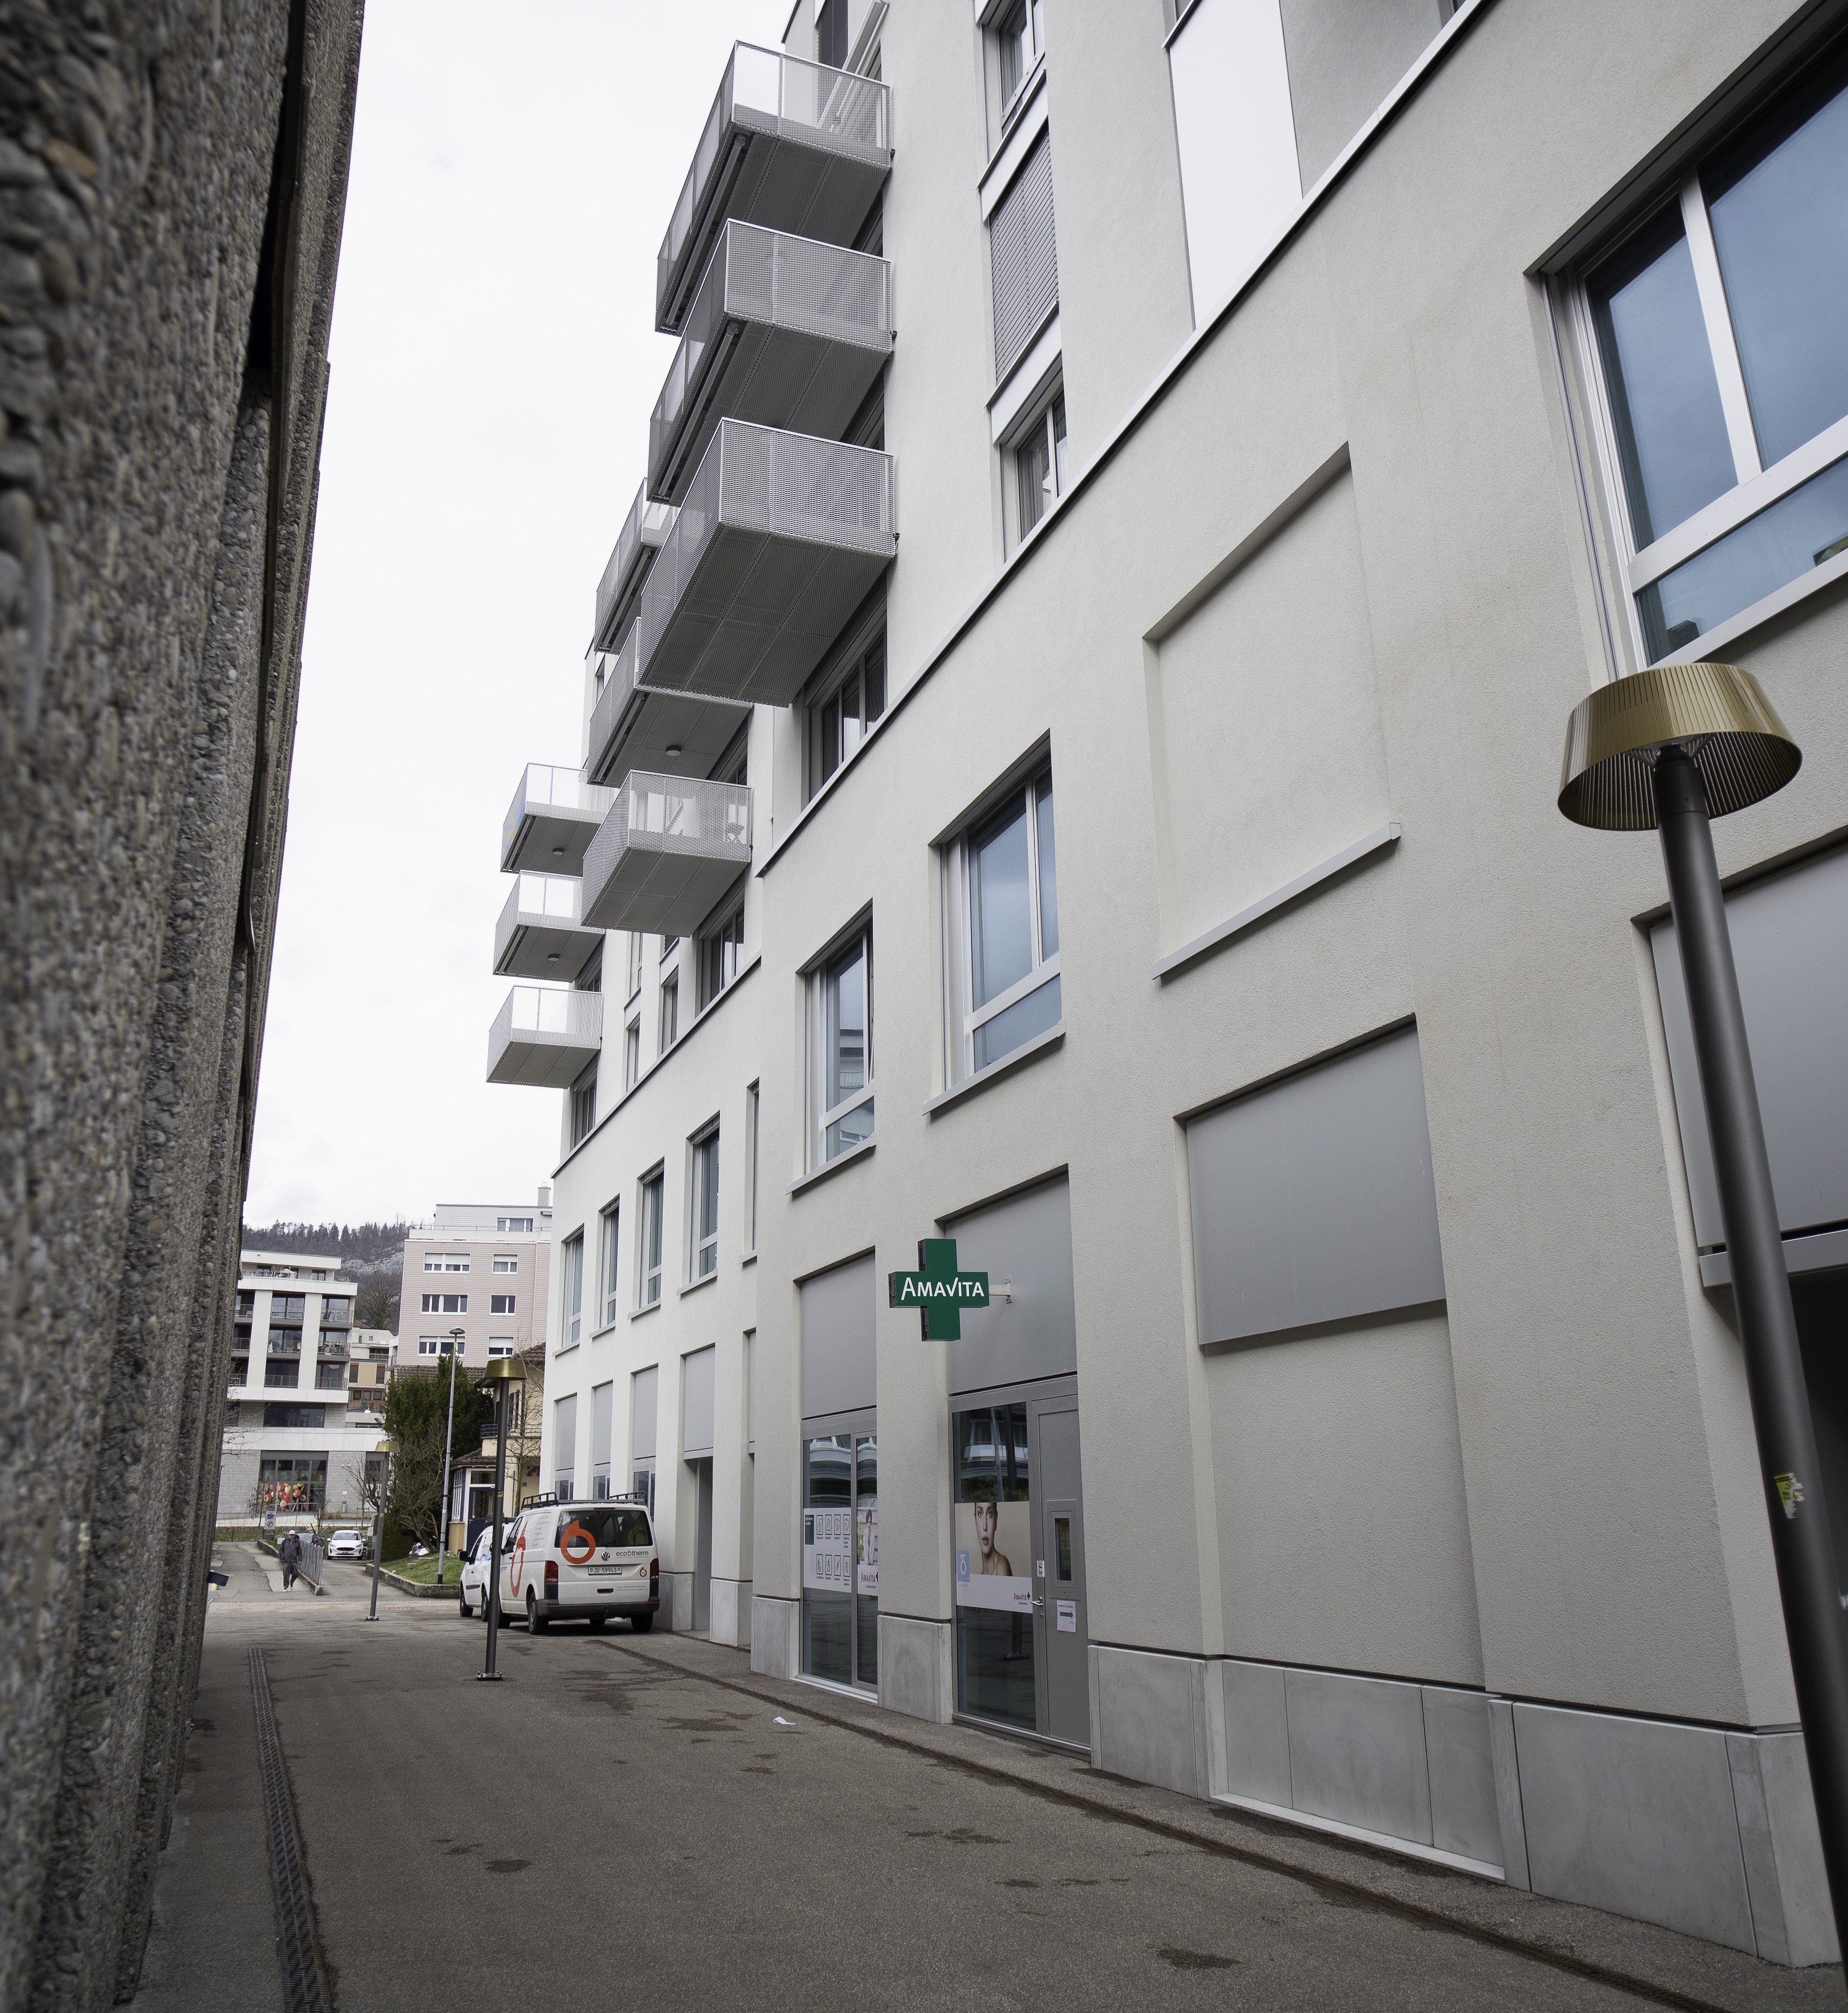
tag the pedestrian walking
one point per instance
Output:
(289, 1551)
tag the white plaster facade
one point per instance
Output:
(1482, 1572)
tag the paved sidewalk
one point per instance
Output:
(641, 1817)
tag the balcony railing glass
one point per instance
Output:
(784, 331)
(781, 537)
(646, 525)
(538, 934)
(669, 850)
(786, 143)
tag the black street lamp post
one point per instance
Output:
(503, 1373)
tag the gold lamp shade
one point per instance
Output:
(1729, 728)
(505, 1370)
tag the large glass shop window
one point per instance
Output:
(840, 1559)
(992, 1539)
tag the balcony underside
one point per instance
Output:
(673, 734)
(770, 377)
(546, 947)
(758, 615)
(539, 1059)
(662, 891)
(550, 839)
(784, 176)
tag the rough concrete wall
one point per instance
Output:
(163, 369)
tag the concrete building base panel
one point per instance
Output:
(731, 1613)
(916, 1667)
(1705, 1832)
(676, 1602)
(775, 1636)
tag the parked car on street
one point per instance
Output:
(346, 1545)
(569, 1560)
(474, 1572)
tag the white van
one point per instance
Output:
(570, 1559)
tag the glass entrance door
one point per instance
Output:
(1022, 1642)
(840, 1559)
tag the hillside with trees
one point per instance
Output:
(370, 1254)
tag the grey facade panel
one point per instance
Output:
(837, 1371)
(645, 1404)
(1027, 1240)
(1023, 256)
(1790, 944)
(1313, 1199)
(696, 1403)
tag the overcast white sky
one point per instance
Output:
(493, 367)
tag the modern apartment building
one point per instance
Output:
(1147, 878)
(475, 1278)
(294, 1443)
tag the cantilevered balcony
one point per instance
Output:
(783, 332)
(551, 820)
(779, 540)
(670, 848)
(646, 525)
(674, 733)
(792, 144)
(538, 935)
(545, 1037)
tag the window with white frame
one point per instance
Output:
(583, 1106)
(721, 954)
(751, 1148)
(1036, 465)
(435, 1345)
(500, 1344)
(1017, 34)
(648, 1240)
(571, 1319)
(843, 716)
(506, 1264)
(670, 1013)
(702, 1215)
(841, 997)
(512, 1225)
(632, 981)
(445, 1304)
(609, 1253)
(445, 1261)
(1002, 898)
(1717, 335)
(501, 1303)
(632, 1054)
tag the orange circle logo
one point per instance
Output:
(576, 1542)
(519, 1561)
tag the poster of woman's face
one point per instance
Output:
(994, 1544)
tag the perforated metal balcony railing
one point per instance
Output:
(783, 332)
(674, 733)
(794, 145)
(551, 820)
(670, 848)
(545, 1037)
(644, 528)
(539, 936)
(780, 539)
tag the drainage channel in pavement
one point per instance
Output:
(305, 1986)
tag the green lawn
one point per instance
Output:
(423, 1570)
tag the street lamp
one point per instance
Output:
(442, 1516)
(1673, 747)
(388, 1448)
(502, 1373)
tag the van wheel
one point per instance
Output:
(536, 1623)
(467, 1610)
(642, 1623)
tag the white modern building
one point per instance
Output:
(1147, 876)
(294, 1443)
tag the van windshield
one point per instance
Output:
(607, 1526)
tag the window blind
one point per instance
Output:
(1023, 256)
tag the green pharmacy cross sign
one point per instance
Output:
(938, 1290)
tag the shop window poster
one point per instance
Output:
(866, 1547)
(828, 1551)
(994, 1545)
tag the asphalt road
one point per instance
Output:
(637, 1821)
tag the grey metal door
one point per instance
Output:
(1062, 1637)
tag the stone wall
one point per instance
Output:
(171, 184)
